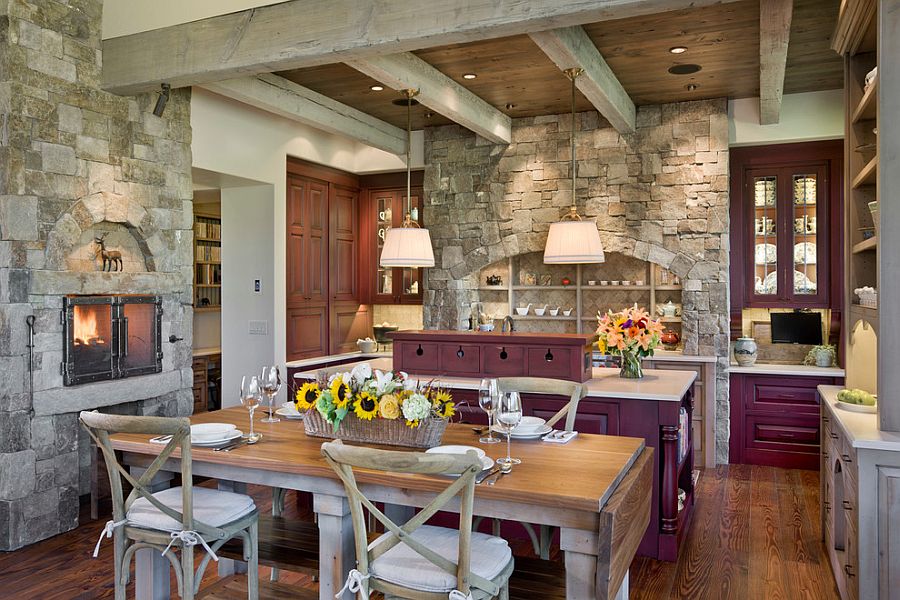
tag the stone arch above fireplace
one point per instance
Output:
(99, 213)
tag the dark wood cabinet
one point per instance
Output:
(775, 420)
(385, 207)
(323, 300)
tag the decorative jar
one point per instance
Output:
(746, 351)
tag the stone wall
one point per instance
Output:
(659, 194)
(77, 162)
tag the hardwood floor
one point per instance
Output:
(755, 535)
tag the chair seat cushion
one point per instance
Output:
(212, 507)
(401, 565)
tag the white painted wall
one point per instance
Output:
(804, 117)
(247, 216)
(242, 143)
(122, 17)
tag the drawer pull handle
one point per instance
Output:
(419, 351)
(827, 505)
(846, 458)
(846, 504)
(549, 356)
(460, 353)
(849, 571)
(503, 354)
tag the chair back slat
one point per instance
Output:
(344, 458)
(99, 426)
(558, 387)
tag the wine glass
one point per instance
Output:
(487, 392)
(271, 383)
(509, 414)
(251, 394)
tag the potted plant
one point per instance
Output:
(821, 356)
(631, 334)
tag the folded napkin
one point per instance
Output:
(562, 438)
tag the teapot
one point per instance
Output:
(670, 339)
(669, 309)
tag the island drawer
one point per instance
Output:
(462, 358)
(422, 358)
(503, 361)
(782, 394)
(781, 433)
(554, 362)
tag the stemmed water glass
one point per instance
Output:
(509, 414)
(487, 393)
(251, 395)
(271, 384)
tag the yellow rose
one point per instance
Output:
(389, 406)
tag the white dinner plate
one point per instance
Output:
(860, 408)
(455, 449)
(283, 412)
(210, 431)
(531, 434)
(233, 435)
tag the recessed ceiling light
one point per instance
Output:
(691, 87)
(687, 69)
(429, 114)
(377, 88)
(678, 49)
(469, 75)
(510, 106)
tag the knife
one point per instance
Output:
(231, 446)
(485, 474)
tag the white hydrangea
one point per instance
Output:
(416, 407)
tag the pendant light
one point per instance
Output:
(408, 245)
(573, 241)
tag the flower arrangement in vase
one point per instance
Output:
(375, 406)
(631, 334)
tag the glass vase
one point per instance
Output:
(631, 366)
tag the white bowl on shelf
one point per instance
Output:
(522, 310)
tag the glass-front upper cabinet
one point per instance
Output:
(787, 212)
(395, 285)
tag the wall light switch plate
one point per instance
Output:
(258, 328)
(257, 286)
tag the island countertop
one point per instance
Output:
(657, 385)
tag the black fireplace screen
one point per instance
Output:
(111, 337)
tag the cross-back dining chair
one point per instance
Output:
(415, 561)
(557, 387)
(176, 518)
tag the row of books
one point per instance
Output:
(208, 274)
(208, 230)
(208, 253)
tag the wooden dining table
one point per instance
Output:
(596, 489)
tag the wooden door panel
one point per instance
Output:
(343, 245)
(307, 332)
(296, 284)
(295, 202)
(318, 207)
(349, 322)
(317, 234)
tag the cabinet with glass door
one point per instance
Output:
(783, 231)
(394, 285)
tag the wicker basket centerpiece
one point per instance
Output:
(375, 407)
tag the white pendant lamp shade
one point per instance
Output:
(407, 247)
(573, 242)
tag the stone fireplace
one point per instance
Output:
(78, 164)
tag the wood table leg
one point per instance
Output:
(227, 566)
(337, 554)
(399, 514)
(581, 552)
(151, 570)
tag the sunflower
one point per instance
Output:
(446, 410)
(366, 406)
(341, 392)
(306, 395)
(440, 398)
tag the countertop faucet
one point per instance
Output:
(508, 322)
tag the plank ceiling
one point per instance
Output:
(517, 78)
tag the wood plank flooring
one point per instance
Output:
(755, 536)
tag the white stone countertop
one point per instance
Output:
(319, 360)
(657, 385)
(795, 370)
(861, 429)
(678, 356)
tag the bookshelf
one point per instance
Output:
(207, 263)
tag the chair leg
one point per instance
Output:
(504, 591)
(253, 563)
(278, 495)
(187, 573)
(118, 559)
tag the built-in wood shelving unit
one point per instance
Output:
(207, 263)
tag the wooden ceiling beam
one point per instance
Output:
(439, 93)
(571, 48)
(287, 99)
(774, 37)
(303, 33)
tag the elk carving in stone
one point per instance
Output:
(112, 259)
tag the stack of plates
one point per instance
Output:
(213, 434)
(529, 428)
(289, 410)
(765, 192)
(486, 461)
(805, 190)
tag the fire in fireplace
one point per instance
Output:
(110, 337)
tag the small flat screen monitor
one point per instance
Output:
(797, 328)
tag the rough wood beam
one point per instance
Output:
(570, 47)
(774, 36)
(287, 99)
(439, 93)
(303, 33)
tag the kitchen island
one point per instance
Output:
(654, 408)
